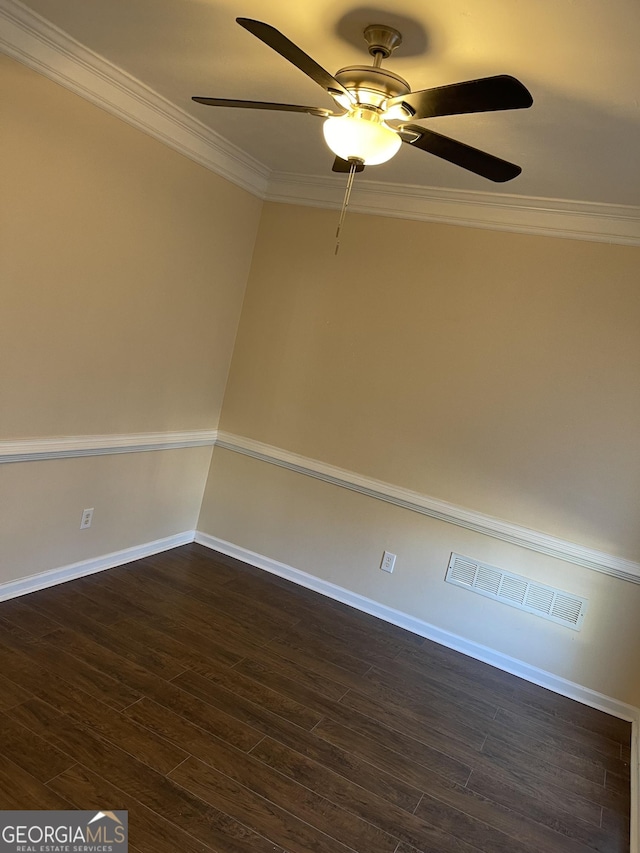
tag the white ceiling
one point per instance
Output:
(579, 58)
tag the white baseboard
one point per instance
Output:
(22, 586)
(586, 696)
(424, 629)
(501, 661)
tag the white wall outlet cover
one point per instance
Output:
(388, 562)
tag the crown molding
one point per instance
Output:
(577, 220)
(34, 41)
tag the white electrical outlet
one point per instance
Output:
(388, 562)
(87, 518)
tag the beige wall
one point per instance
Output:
(122, 272)
(339, 536)
(496, 371)
(137, 498)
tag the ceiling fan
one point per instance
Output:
(376, 106)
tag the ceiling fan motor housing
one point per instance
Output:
(372, 86)
(377, 104)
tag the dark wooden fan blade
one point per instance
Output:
(479, 162)
(475, 96)
(287, 49)
(264, 105)
(340, 165)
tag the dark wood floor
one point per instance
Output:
(230, 711)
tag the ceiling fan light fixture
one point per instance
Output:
(361, 135)
(398, 112)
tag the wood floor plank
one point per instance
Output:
(105, 586)
(541, 750)
(510, 756)
(147, 829)
(154, 790)
(216, 641)
(550, 807)
(201, 588)
(618, 784)
(388, 750)
(538, 702)
(198, 655)
(152, 659)
(39, 667)
(579, 753)
(70, 596)
(30, 752)
(120, 730)
(227, 726)
(358, 658)
(302, 802)
(408, 827)
(210, 568)
(458, 711)
(266, 584)
(617, 827)
(444, 753)
(11, 693)
(417, 725)
(20, 790)
(440, 753)
(517, 826)
(512, 773)
(302, 714)
(19, 613)
(319, 615)
(296, 603)
(161, 602)
(460, 824)
(417, 690)
(312, 658)
(264, 624)
(288, 733)
(282, 675)
(261, 714)
(265, 666)
(232, 712)
(279, 825)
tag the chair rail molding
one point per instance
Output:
(36, 449)
(534, 540)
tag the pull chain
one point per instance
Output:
(353, 165)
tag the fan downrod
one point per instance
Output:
(382, 41)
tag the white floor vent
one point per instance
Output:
(562, 607)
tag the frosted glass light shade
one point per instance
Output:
(370, 141)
